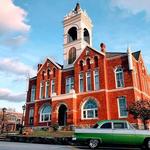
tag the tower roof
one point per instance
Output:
(77, 8)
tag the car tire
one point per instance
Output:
(93, 143)
(147, 144)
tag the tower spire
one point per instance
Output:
(77, 8)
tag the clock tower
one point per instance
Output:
(77, 35)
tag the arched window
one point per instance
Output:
(90, 109)
(86, 36)
(72, 34)
(81, 65)
(119, 77)
(45, 113)
(48, 73)
(88, 63)
(54, 72)
(96, 61)
(72, 55)
(43, 73)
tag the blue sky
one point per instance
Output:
(31, 30)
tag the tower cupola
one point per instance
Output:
(77, 34)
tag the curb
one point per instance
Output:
(41, 140)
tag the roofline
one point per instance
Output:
(90, 48)
(51, 61)
(33, 78)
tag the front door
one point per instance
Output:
(62, 115)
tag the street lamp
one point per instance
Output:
(22, 122)
(3, 119)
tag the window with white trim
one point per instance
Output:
(45, 113)
(96, 80)
(122, 107)
(52, 86)
(33, 89)
(81, 83)
(31, 116)
(47, 89)
(88, 81)
(119, 77)
(41, 90)
(69, 84)
(90, 109)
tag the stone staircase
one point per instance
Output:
(2, 138)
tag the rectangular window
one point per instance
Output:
(33, 89)
(96, 80)
(69, 84)
(52, 86)
(122, 107)
(81, 83)
(120, 125)
(88, 81)
(31, 116)
(41, 90)
(47, 89)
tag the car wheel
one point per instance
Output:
(93, 143)
(147, 144)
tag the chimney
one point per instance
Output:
(39, 66)
(103, 47)
(130, 59)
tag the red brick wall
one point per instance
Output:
(106, 97)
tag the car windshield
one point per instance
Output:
(95, 126)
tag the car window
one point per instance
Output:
(120, 125)
(95, 126)
(106, 126)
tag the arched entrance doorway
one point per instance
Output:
(62, 115)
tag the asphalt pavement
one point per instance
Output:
(29, 146)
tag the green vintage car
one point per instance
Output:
(113, 132)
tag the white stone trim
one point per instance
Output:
(64, 96)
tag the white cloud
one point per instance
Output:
(133, 6)
(14, 41)
(7, 95)
(16, 67)
(12, 18)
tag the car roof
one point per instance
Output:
(105, 121)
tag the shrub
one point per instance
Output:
(55, 126)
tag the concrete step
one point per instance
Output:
(2, 138)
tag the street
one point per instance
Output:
(29, 146)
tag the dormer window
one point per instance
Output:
(96, 61)
(54, 72)
(48, 73)
(72, 34)
(88, 63)
(43, 73)
(72, 55)
(81, 65)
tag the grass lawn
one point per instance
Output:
(51, 134)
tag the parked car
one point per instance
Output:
(113, 132)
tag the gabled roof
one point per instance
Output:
(33, 78)
(99, 52)
(52, 61)
(136, 55)
(114, 54)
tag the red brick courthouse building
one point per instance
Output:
(91, 84)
